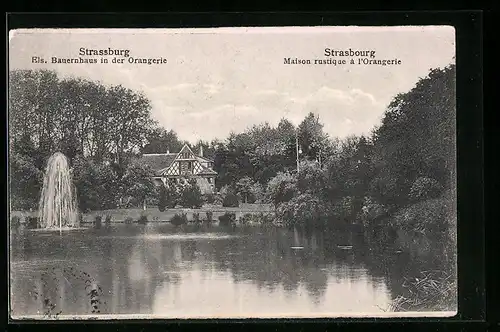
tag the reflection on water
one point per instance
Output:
(164, 271)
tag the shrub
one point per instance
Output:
(371, 211)
(15, 221)
(247, 218)
(302, 209)
(107, 221)
(196, 217)
(258, 195)
(32, 222)
(424, 188)
(231, 200)
(265, 218)
(97, 221)
(344, 208)
(251, 218)
(143, 219)
(281, 188)
(227, 219)
(209, 198)
(427, 216)
(209, 217)
(179, 219)
(129, 220)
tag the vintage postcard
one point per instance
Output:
(298, 172)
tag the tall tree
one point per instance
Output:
(312, 139)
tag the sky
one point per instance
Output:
(218, 81)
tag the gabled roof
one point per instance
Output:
(158, 161)
(207, 171)
(203, 159)
(185, 147)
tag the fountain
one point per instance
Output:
(57, 208)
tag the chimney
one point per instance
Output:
(201, 150)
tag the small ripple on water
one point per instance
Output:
(204, 236)
(55, 230)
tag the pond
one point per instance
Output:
(160, 271)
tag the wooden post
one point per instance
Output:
(297, 147)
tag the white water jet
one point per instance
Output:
(57, 207)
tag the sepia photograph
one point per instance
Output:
(250, 172)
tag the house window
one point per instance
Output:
(190, 166)
(210, 180)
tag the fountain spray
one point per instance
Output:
(57, 206)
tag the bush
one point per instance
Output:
(247, 218)
(143, 219)
(344, 208)
(281, 188)
(209, 198)
(371, 211)
(251, 218)
(209, 217)
(15, 221)
(430, 216)
(231, 200)
(97, 222)
(196, 217)
(258, 195)
(425, 188)
(107, 221)
(179, 219)
(227, 219)
(32, 222)
(302, 209)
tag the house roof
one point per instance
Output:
(158, 161)
(207, 171)
(204, 159)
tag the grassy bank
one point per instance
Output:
(415, 225)
(154, 215)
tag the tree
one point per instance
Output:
(311, 137)
(162, 199)
(244, 189)
(77, 116)
(281, 188)
(417, 136)
(25, 182)
(191, 195)
(160, 140)
(137, 183)
(96, 184)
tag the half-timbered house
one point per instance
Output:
(178, 167)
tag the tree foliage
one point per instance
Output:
(410, 157)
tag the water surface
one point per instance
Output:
(160, 270)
